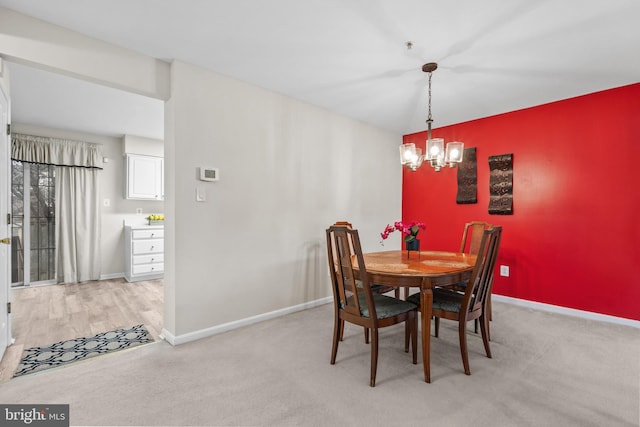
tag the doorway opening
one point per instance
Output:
(41, 315)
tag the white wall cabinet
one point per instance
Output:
(144, 177)
(144, 252)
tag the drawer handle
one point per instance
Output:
(152, 247)
(153, 234)
(153, 259)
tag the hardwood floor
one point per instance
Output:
(45, 315)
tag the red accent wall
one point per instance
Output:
(574, 237)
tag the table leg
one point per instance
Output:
(426, 303)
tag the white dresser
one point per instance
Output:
(144, 252)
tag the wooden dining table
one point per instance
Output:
(424, 270)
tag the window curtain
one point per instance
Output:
(78, 219)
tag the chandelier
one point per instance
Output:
(437, 155)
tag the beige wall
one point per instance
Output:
(288, 170)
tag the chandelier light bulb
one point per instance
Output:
(454, 153)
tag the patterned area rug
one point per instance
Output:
(39, 358)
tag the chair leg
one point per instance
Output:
(338, 326)
(484, 328)
(489, 307)
(374, 356)
(462, 331)
(407, 334)
(341, 329)
(366, 335)
(486, 313)
(490, 317)
(437, 327)
(414, 337)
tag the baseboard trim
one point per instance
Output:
(111, 276)
(203, 333)
(215, 330)
(566, 311)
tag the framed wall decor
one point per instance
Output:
(468, 178)
(501, 184)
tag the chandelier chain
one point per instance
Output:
(429, 118)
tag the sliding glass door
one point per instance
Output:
(32, 203)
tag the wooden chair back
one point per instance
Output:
(376, 289)
(478, 290)
(351, 288)
(472, 236)
(345, 224)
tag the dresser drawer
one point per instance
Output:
(148, 259)
(147, 234)
(144, 252)
(147, 246)
(148, 268)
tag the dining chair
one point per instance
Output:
(375, 288)
(472, 304)
(470, 244)
(354, 302)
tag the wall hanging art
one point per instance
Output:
(468, 178)
(501, 184)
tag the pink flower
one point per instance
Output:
(387, 230)
(410, 230)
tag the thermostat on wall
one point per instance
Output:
(209, 174)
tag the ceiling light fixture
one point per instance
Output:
(436, 154)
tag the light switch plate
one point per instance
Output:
(201, 194)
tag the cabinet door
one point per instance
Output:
(144, 177)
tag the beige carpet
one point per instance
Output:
(547, 370)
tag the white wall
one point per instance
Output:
(288, 170)
(4, 77)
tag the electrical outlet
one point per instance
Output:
(138, 210)
(504, 270)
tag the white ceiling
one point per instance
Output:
(350, 56)
(57, 101)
